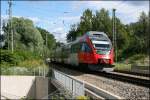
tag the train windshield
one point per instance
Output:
(103, 46)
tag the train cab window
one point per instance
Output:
(82, 47)
(85, 48)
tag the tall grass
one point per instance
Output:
(20, 62)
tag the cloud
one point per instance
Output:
(37, 2)
(34, 19)
(127, 11)
(76, 5)
(60, 34)
(70, 18)
(4, 18)
(58, 29)
(138, 3)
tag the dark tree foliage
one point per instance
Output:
(2, 37)
(139, 35)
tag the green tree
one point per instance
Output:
(50, 38)
(140, 31)
(49, 42)
(83, 26)
(26, 36)
(86, 21)
(102, 22)
(71, 36)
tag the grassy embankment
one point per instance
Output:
(20, 63)
(134, 61)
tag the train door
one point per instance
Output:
(81, 53)
(88, 53)
(85, 53)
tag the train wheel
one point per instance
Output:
(83, 67)
(93, 67)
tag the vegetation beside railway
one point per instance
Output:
(20, 62)
(31, 47)
(141, 61)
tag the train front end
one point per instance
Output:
(103, 51)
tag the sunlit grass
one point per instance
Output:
(82, 98)
(32, 63)
(138, 61)
(27, 67)
(122, 67)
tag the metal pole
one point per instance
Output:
(10, 24)
(46, 39)
(113, 28)
(46, 46)
(114, 34)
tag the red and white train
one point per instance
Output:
(93, 50)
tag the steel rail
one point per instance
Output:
(133, 79)
(125, 78)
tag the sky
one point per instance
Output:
(57, 16)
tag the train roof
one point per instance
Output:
(95, 32)
(92, 32)
(102, 36)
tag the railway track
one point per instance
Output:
(134, 79)
(89, 90)
(121, 87)
(138, 80)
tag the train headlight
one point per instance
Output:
(104, 52)
(107, 52)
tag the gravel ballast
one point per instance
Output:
(122, 89)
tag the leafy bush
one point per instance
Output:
(26, 55)
(11, 59)
(135, 58)
(20, 63)
(32, 63)
(8, 57)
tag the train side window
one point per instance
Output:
(74, 48)
(78, 47)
